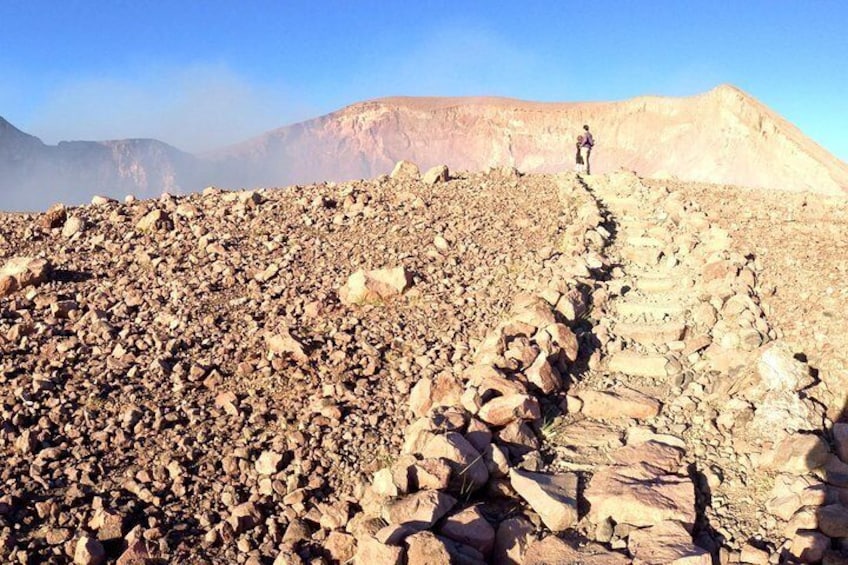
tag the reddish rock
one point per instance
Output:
(443, 390)
(639, 497)
(421, 509)
(565, 338)
(369, 551)
(340, 546)
(513, 537)
(553, 497)
(21, 272)
(543, 376)
(797, 454)
(89, 551)
(620, 403)
(666, 543)
(502, 410)
(469, 527)
(809, 546)
(552, 550)
(467, 465)
(425, 548)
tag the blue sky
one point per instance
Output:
(203, 74)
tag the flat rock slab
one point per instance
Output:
(651, 310)
(642, 255)
(555, 551)
(639, 365)
(651, 334)
(657, 285)
(622, 402)
(553, 497)
(667, 543)
(640, 497)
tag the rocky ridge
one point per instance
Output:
(629, 402)
(720, 136)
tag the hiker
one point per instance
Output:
(578, 158)
(586, 147)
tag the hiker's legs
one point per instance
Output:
(586, 158)
(584, 152)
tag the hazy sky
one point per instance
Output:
(204, 74)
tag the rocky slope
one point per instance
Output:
(722, 136)
(490, 368)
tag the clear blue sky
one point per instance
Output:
(200, 74)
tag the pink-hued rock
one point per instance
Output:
(421, 509)
(512, 539)
(467, 466)
(666, 543)
(469, 527)
(565, 338)
(620, 403)
(370, 551)
(21, 272)
(443, 390)
(502, 410)
(552, 550)
(553, 497)
(543, 375)
(639, 497)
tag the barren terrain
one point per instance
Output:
(476, 368)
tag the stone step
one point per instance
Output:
(651, 310)
(651, 285)
(646, 256)
(641, 365)
(644, 241)
(621, 204)
(650, 334)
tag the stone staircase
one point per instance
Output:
(645, 341)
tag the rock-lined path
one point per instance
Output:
(678, 438)
(686, 426)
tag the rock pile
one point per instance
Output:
(187, 384)
(474, 450)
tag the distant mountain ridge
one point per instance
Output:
(33, 175)
(722, 136)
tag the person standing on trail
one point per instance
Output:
(578, 158)
(586, 147)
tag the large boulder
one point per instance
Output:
(436, 174)
(20, 272)
(405, 170)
